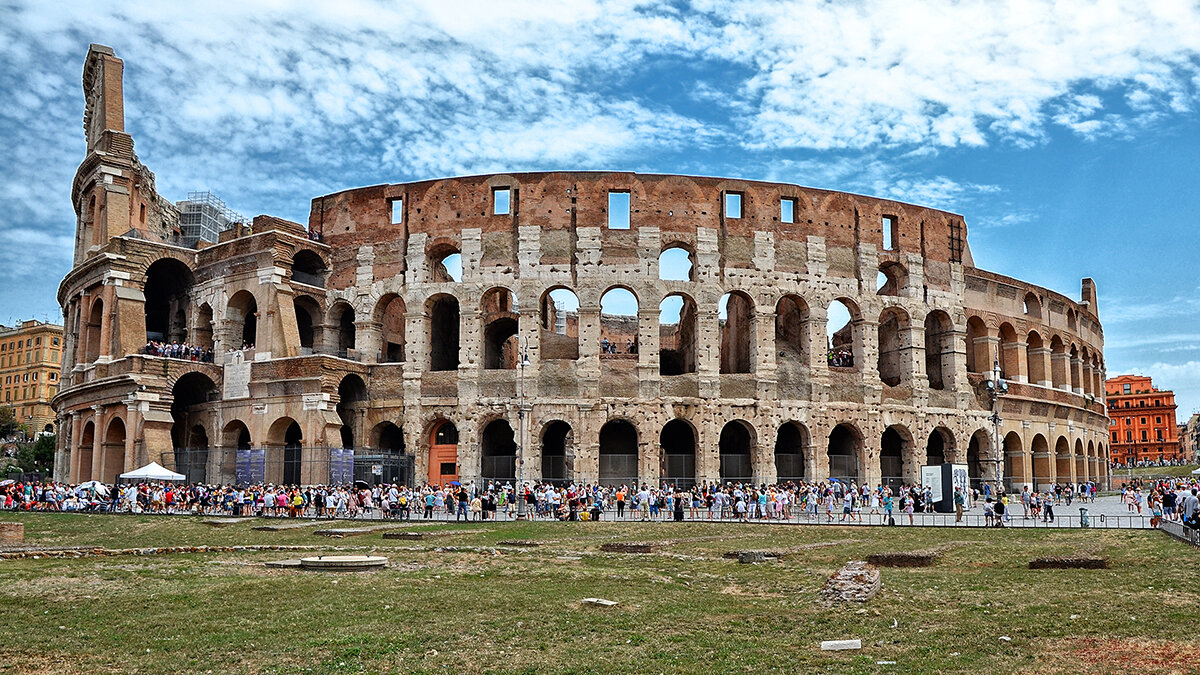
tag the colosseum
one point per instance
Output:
(569, 326)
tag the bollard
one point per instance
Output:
(1084, 521)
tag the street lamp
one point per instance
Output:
(997, 387)
(519, 491)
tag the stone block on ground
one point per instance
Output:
(1067, 562)
(856, 582)
(12, 533)
(629, 547)
(221, 522)
(903, 558)
(746, 557)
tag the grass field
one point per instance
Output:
(1117, 474)
(685, 609)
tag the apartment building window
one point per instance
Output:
(1144, 439)
(1128, 436)
(1126, 388)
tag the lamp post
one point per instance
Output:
(519, 490)
(997, 387)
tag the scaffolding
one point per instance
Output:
(203, 217)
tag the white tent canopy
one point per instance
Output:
(153, 471)
(1196, 472)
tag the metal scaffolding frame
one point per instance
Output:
(203, 217)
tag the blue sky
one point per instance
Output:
(1066, 132)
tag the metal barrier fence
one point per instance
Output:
(293, 466)
(1180, 531)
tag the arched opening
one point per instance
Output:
(87, 441)
(735, 449)
(978, 357)
(791, 443)
(1089, 465)
(189, 396)
(1076, 370)
(1035, 356)
(678, 442)
(842, 332)
(559, 337)
(95, 322)
(443, 332)
(675, 264)
(498, 453)
(167, 290)
(894, 445)
(677, 335)
(939, 448)
(735, 314)
(558, 454)
(618, 453)
(618, 322)
(387, 452)
(1033, 306)
(975, 457)
(1010, 353)
(307, 315)
(891, 279)
(202, 336)
(443, 453)
(308, 268)
(390, 314)
(500, 314)
(236, 435)
(241, 313)
(352, 400)
(791, 337)
(113, 460)
(894, 345)
(1062, 460)
(445, 264)
(1072, 324)
(1060, 363)
(939, 350)
(1081, 472)
(845, 445)
(1042, 470)
(292, 454)
(1015, 459)
(342, 316)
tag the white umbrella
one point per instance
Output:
(1196, 472)
(96, 485)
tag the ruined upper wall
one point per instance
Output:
(678, 206)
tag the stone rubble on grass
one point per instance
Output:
(840, 645)
(601, 602)
(856, 582)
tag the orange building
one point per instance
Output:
(1143, 420)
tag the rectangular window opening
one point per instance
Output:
(733, 205)
(618, 210)
(501, 201)
(889, 233)
(397, 210)
(787, 210)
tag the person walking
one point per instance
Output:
(958, 504)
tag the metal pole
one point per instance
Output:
(518, 490)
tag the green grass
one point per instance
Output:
(682, 610)
(1155, 471)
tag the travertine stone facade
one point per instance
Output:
(366, 340)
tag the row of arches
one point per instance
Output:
(1036, 358)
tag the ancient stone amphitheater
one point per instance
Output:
(583, 325)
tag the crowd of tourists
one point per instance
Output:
(829, 501)
(178, 350)
(613, 347)
(841, 358)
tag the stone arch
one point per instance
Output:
(236, 435)
(94, 326)
(190, 395)
(558, 452)
(1076, 369)
(308, 319)
(736, 450)
(113, 451)
(1081, 469)
(939, 350)
(202, 334)
(898, 464)
(791, 452)
(1016, 460)
(390, 313)
(1010, 353)
(1032, 306)
(618, 319)
(443, 452)
(677, 335)
(308, 268)
(844, 452)
(940, 447)
(1043, 467)
(442, 320)
(1060, 364)
(501, 318)
(678, 444)
(1062, 460)
(677, 262)
(978, 353)
(497, 453)
(559, 330)
(894, 346)
(792, 338)
(1036, 355)
(241, 314)
(167, 290)
(341, 320)
(84, 458)
(978, 451)
(845, 342)
(618, 453)
(737, 332)
(445, 261)
(351, 406)
(891, 279)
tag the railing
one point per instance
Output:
(1180, 531)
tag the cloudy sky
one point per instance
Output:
(1066, 132)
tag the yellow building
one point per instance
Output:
(30, 360)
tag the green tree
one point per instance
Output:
(37, 457)
(8, 421)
